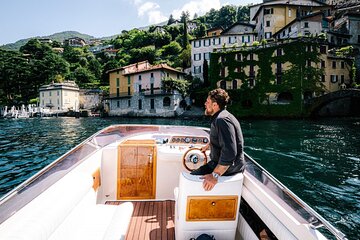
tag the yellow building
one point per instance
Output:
(271, 17)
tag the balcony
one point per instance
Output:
(144, 92)
(156, 92)
(120, 95)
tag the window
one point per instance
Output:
(129, 91)
(151, 88)
(222, 72)
(58, 93)
(139, 77)
(42, 94)
(197, 56)
(118, 92)
(207, 56)
(117, 82)
(140, 104)
(139, 88)
(197, 69)
(129, 103)
(234, 84)
(342, 64)
(223, 84)
(342, 79)
(323, 49)
(129, 81)
(166, 102)
(152, 103)
(333, 64)
(151, 75)
(268, 11)
(306, 24)
(290, 12)
(216, 41)
(238, 56)
(333, 78)
(197, 43)
(50, 94)
(118, 104)
(289, 30)
(323, 78)
(267, 35)
(267, 23)
(322, 64)
(232, 39)
(207, 42)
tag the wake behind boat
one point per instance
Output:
(133, 182)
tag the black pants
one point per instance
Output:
(210, 166)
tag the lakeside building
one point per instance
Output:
(59, 96)
(136, 90)
(272, 16)
(235, 36)
(280, 75)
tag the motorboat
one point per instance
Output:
(134, 182)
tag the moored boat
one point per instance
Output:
(133, 182)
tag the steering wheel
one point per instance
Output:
(194, 158)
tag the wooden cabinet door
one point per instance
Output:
(136, 171)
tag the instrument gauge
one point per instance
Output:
(187, 140)
(205, 140)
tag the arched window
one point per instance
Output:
(166, 102)
(285, 97)
(223, 84)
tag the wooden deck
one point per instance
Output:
(151, 220)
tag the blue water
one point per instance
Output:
(318, 160)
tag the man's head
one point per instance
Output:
(217, 100)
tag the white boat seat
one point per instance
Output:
(212, 212)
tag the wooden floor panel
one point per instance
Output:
(151, 220)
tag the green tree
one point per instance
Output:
(243, 14)
(227, 16)
(171, 20)
(200, 31)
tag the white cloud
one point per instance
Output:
(147, 7)
(199, 7)
(150, 10)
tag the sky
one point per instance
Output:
(20, 19)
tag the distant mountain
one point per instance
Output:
(60, 37)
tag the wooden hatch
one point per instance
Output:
(136, 178)
(211, 208)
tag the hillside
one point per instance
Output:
(59, 37)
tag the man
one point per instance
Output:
(226, 141)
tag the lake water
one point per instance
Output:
(318, 160)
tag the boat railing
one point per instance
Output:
(314, 219)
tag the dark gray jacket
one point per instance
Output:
(226, 142)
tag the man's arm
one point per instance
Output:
(209, 180)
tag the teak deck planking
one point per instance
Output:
(151, 220)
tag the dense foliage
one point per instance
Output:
(23, 71)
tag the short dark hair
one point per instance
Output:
(220, 96)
